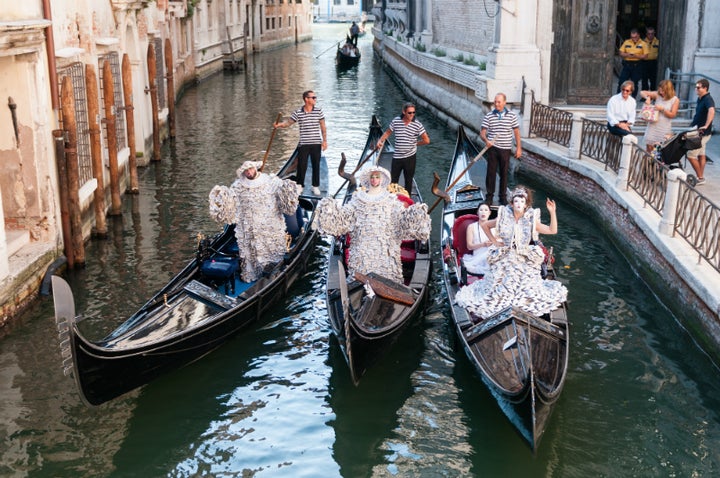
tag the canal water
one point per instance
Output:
(640, 398)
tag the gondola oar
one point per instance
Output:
(334, 46)
(350, 177)
(443, 195)
(272, 136)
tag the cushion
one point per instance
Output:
(219, 267)
(459, 232)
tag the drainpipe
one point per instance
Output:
(50, 47)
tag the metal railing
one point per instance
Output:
(648, 177)
(697, 220)
(597, 143)
(684, 83)
(551, 123)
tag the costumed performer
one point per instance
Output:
(479, 243)
(377, 223)
(514, 278)
(255, 203)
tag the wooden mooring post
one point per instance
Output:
(152, 74)
(59, 137)
(169, 68)
(93, 95)
(67, 100)
(130, 122)
(110, 119)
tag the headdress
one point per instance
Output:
(364, 177)
(247, 165)
(520, 192)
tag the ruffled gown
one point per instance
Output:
(476, 263)
(256, 207)
(377, 225)
(514, 277)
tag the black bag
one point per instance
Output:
(692, 140)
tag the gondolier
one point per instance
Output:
(409, 134)
(255, 203)
(313, 139)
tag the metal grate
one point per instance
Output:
(160, 72)
(76, 73)
(114, 60)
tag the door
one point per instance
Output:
(584, 46)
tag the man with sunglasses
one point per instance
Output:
(621, 110)
(313, 139)
(407, 131)
(703, 120)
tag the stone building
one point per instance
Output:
(43, 43)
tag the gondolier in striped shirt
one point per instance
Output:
(497, 131)
(409, 134)
(313, 139)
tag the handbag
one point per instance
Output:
(691, 140)
(649, 113)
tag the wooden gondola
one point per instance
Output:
(343, 59)
(197, 311)
(522, 358)
(366, 327)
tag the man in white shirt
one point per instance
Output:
(621, 110)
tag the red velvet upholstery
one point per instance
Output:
(407, 248)
(459, 232)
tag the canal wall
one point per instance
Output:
(668, 265)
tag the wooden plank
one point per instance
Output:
(387, 289)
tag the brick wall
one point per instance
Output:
(464, 25)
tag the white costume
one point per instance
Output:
(514, 277)
(256, 207)
(476, 262)
(377, 222)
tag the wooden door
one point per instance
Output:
(583, 51)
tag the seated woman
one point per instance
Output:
(478, 242)
(514, 277)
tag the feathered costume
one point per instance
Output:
(377, 222)
(514, 278)
(256, 207)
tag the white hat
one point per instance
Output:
(364, 177)
(247, 165)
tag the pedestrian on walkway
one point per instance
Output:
(409, 134)
(497, 131)
(633, 51)
(666, 104)
(703, 120)
(313, 139)
(621, 110)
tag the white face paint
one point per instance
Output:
(519, 203)
(484, 212)
(250, 173)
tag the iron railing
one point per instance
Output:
(648, 177)
(697, 220)
(76, 72)
(597, 143)
(551, 123)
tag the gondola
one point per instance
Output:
(347, 55)
(367, 327)
(522, 358)
(197, 311)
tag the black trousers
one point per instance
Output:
(314, 151)
(649, 81)
(498, 162)
(405, 166)
(632, 70)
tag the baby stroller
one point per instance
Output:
(673, 149)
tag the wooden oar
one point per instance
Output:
(272, 136)
(350, 177)
(444, 195)
(334, 46)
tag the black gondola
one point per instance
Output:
(347, 55)
(197, 311)
(366, 327)
(522, 358)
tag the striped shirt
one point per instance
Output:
(500, 126)
(406, 137)
(310, 132)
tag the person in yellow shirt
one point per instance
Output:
(650, 64)
(633, 51)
